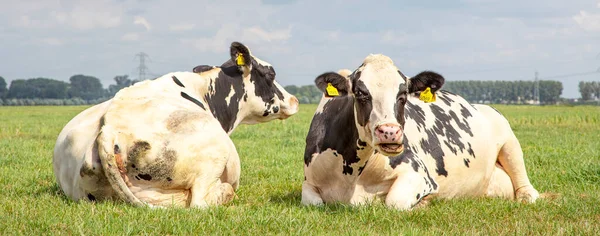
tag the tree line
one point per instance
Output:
(507, 92)
(86, 90)
(80, 90)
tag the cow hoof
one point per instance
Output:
(221, 194)
(527, 194)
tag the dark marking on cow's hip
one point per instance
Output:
(191, 99)
(146, 177)
(177, 81)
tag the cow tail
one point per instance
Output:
(112, 152)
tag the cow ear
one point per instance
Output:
(424, 80)
(425, 84)
(240, 55)
(333, 84)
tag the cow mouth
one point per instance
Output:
(391, 148)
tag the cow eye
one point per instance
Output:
(362, 95)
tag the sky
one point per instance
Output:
(462, 40)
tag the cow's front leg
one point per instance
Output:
(310, 195)
(208, 190)
(408, 190)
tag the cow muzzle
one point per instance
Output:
(388, 139)
(290, 109)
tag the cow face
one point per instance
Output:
(265, 98)
(380, 92)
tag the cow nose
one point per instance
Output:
(388, 133)
(292, 106)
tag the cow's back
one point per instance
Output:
(459, 142)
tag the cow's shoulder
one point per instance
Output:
(333, 127)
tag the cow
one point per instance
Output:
(378, 135)
(165, 142)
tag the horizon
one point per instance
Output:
(462, 40)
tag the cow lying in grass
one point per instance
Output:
(165, 142)
(379, 135)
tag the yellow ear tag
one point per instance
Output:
(240, 60)
(332, 91)
(427, 96)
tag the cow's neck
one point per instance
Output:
(223, 94)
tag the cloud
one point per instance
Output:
(138, 20)
(81, 15)
(257, 34)
(588, 21)
(182, 27)
(230, 32)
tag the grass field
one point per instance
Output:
(561, 146)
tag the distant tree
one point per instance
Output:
(121, 81)
(38, 88)
(550, 91)
(292, 89)
(85, 87)
(3, 89)
(586, 91)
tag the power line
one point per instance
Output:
(571, 75)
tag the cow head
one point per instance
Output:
(245, 91)
(380, 92)
(269, 100)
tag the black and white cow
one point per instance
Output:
(380, 135)
(165, 142)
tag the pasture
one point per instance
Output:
(562, 154)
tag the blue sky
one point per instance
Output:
(462, 40)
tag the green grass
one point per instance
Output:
(561, 145)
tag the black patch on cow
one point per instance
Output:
(161, 168)
(191, 99)
(202, 68)
(445, 98)
(415, 113)
(347, 170)
(364, 103)
(263, 78)
(362, 143)
(407, 156)
(418, 196)
(401, 99)
(230, 77)
(466, 161)
(334, 129)
(470, 150)
(433, 147)
(146, 177)
(177, 81)
(91, 197)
